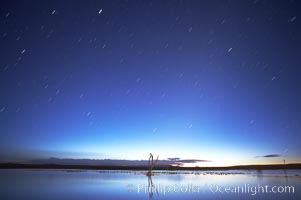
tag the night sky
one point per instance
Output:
(214, 80)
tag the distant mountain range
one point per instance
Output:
(160, 167)
(109, 162)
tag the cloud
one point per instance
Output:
(179, 163)
(187, 161)
(269, 156)
(193, 161)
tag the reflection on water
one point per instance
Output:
(80, 184)
(151, 187)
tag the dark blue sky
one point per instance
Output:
(215, 80)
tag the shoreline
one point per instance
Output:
(144, 168)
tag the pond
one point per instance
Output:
(107, 184)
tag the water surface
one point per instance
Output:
(106, 184)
